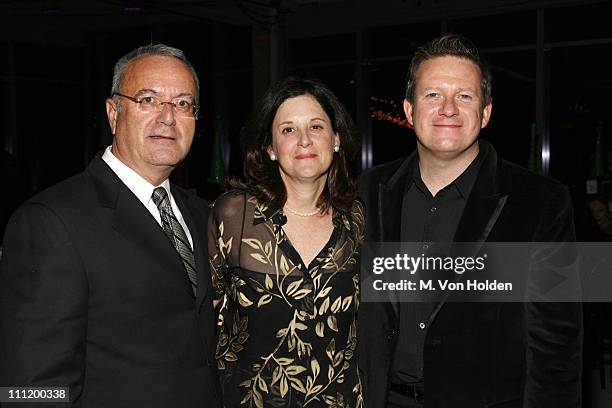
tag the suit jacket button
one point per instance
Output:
(391, 334)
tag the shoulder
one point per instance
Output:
(533, 185)
(231, 204)
(382, 172)
(355, 217)
(189, 200)
(65, 196)
(190, 194)
(60, 207)
(387, 173)
(358, 208)
(544, 197)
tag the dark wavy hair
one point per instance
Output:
(449, 45)
(262, 176)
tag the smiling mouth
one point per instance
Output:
(305, 156)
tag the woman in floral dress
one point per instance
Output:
(283, 249)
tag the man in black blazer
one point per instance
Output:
(455, 188)
(104, 280)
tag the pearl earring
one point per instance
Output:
(272, 157)
(336, 148)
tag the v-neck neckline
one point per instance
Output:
(278, 219)
(295, 257)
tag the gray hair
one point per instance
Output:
(147, 50)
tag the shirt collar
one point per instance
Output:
(141, 188)
(467, 179)
(463, 183)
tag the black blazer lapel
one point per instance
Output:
(482, 210)
(486, 201)
(132, 220)
(479, 217)
(390, 197)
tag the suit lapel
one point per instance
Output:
(482, 210)
(132, 220)
(390, 197)
(486, 201)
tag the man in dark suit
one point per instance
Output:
(104, 281)
(455, 188)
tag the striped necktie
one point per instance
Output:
(175, 233)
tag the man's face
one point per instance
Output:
(447, 111)
(152, 143)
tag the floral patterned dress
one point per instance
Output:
(287, 333)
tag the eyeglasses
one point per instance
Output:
(147, 104)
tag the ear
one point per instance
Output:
(270, 150)
(111, 114)
(486, 115)
(336, 139)
(408, 107)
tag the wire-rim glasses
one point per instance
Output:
(150, 103)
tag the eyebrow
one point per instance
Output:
(438, 87)
(153, 91)
(183, 94)
(147, 90)
(290, 122)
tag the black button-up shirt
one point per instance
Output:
(426, 219)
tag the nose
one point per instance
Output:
(166, 115)
(304, 138)
(448, 107)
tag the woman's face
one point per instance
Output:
(303, 139)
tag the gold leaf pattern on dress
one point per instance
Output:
(287, 333)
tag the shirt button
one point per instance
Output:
(433, 209)
(421, 325)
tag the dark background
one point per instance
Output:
(551, 62)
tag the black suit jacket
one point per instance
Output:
(480, 354)
(95, 297)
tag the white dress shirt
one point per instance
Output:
(143, 190)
